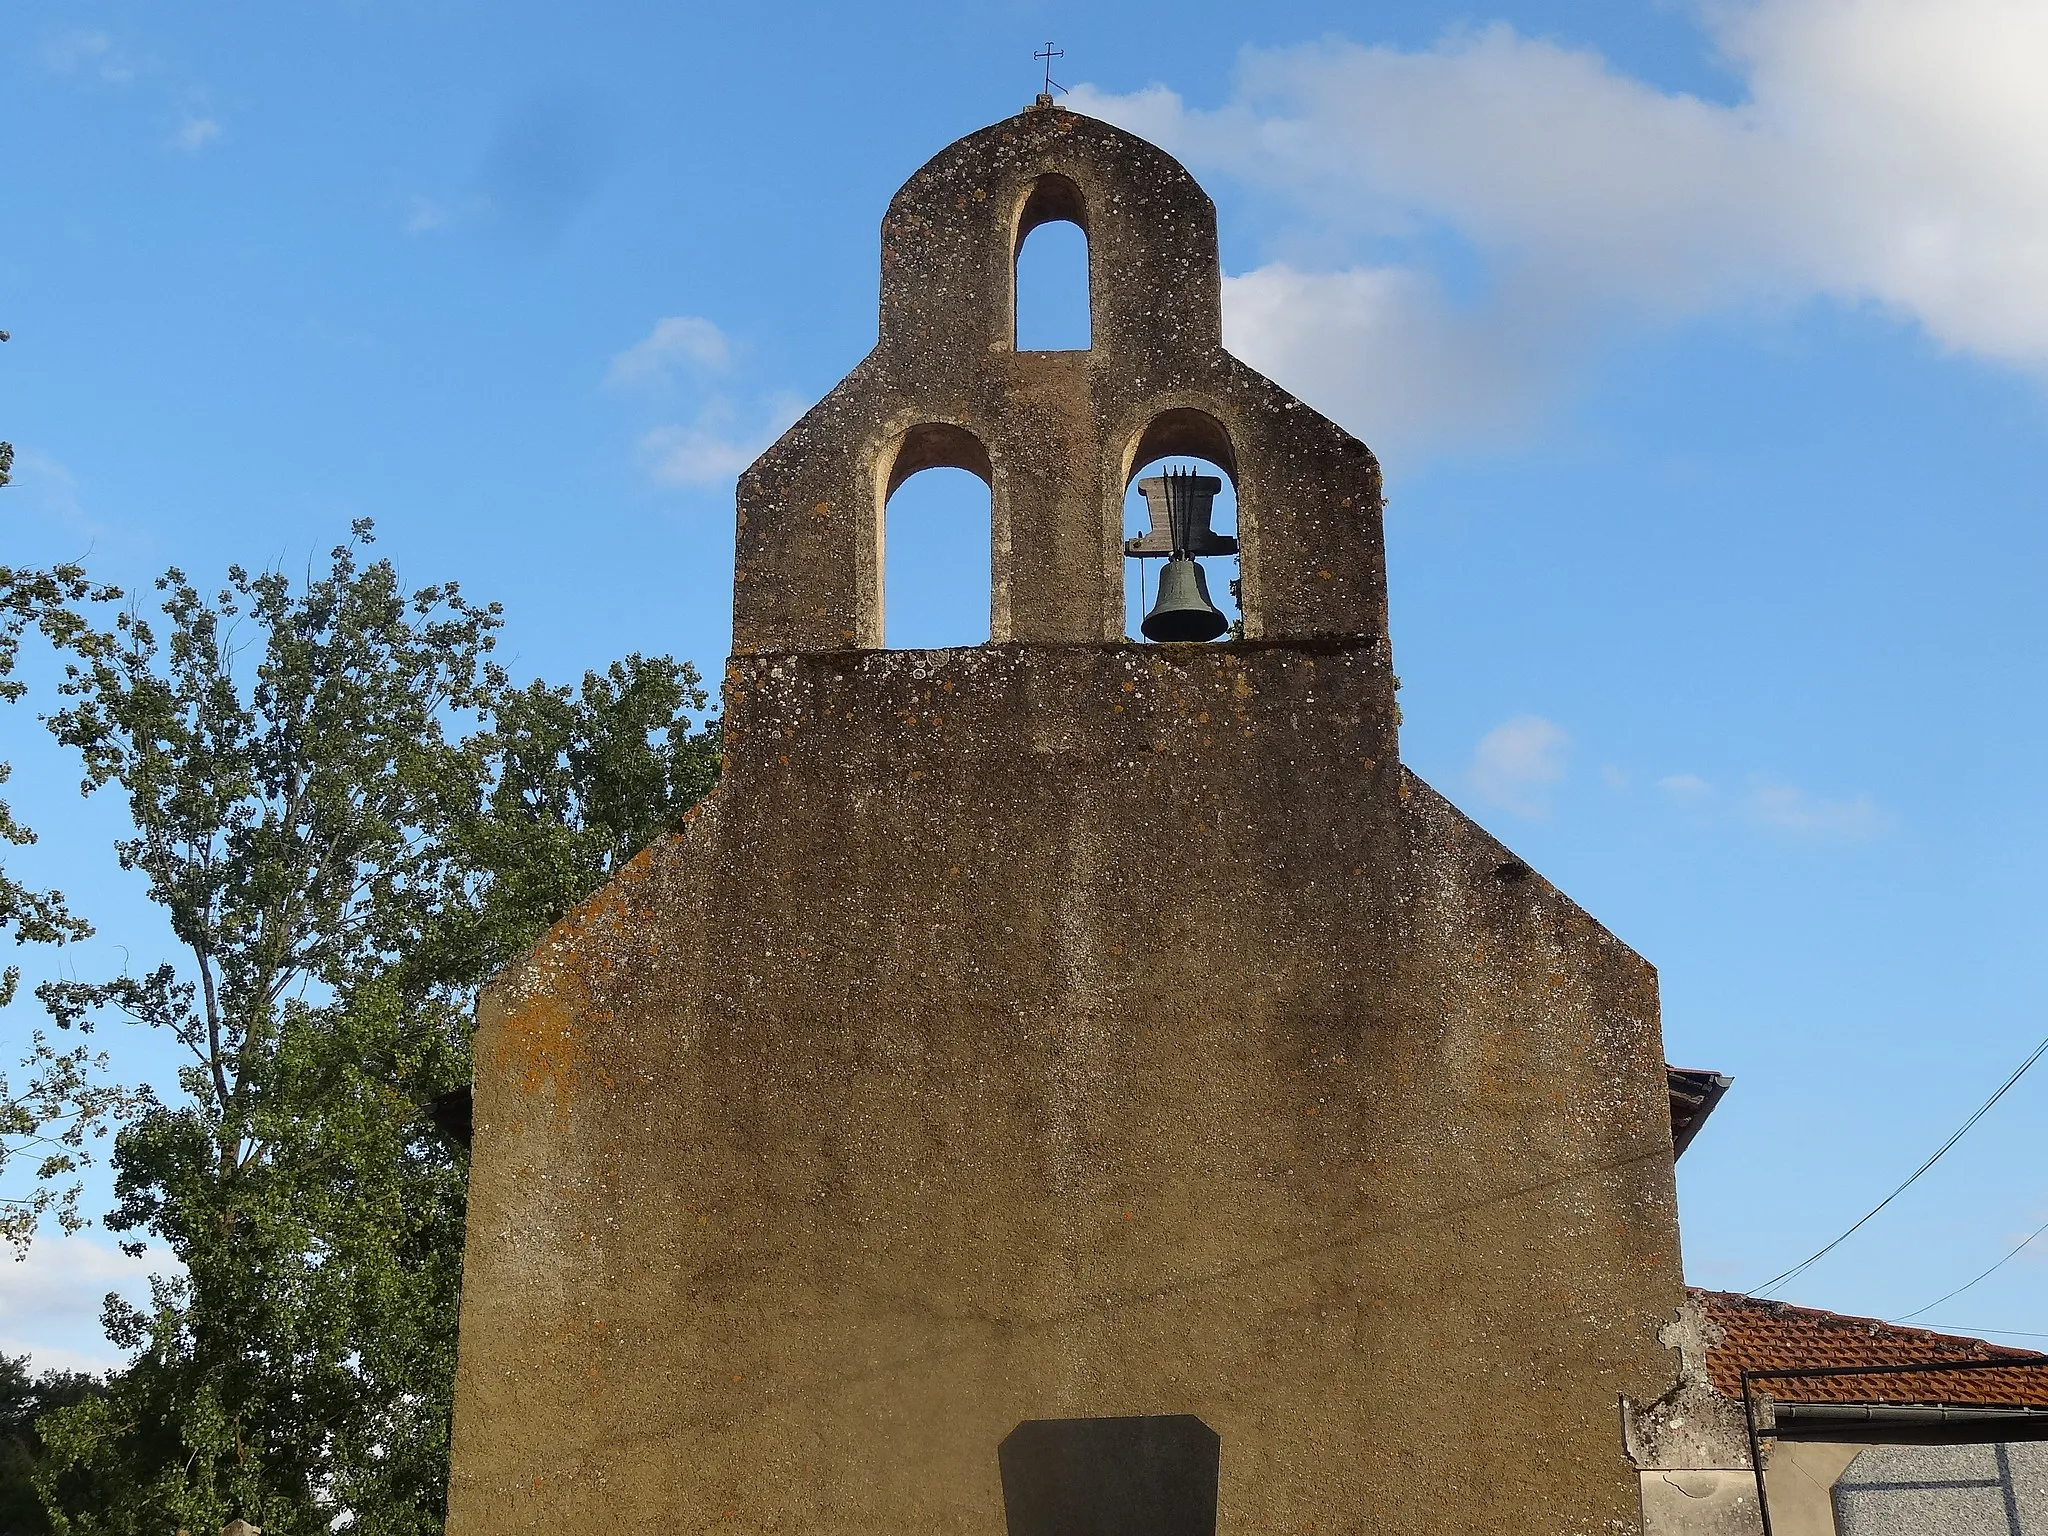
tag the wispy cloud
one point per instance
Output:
(48, 490)
(675, 339)
(1792, 809)
(425, 214)
(687, 361)
(196, 133)
(1517, 762)
(1686, 788)
(90, 54)
(1886, 152)
(1782, 807)
(718, 444)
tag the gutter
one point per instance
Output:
(1901, 1424)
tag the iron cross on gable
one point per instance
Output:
(1049, 53)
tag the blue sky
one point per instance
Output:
(1705, 346)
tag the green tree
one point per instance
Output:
(340, 866)
(58, 1102)
(24, 1398)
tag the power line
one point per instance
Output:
(2003, 1333)
(1968, 1283)
(1941, 1151)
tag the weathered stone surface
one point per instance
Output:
(1064, 1028)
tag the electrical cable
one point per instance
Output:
(1982, 1110)
(2004, 1333)
(1968, 1283)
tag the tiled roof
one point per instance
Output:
(1773, 1335)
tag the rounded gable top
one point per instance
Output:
(951, 233)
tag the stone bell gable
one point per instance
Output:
(1055, 434)
(1064, 1084)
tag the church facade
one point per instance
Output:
(1067, 1084)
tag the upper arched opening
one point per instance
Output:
(1052, 304)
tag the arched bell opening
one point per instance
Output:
(937, 526)
(1051, 309)
(1181, 566)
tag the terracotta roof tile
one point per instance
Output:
(1774, 1335)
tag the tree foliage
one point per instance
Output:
(24, 1398)
(58, 1100)
(350, 818)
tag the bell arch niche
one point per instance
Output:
(1051, 294)
(1181, 442)
(937, 522)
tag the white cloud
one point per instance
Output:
(674, 339)
(49, 490)
(1784, 808)
(50, 1301)
(83, 51)
(1517, 762)
(726, 433)
(715, 447)
(196, 133)
(1889, 152)
(1686, 788)
(425, 214)
(1791, 809)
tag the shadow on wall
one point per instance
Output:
(1945, 1490)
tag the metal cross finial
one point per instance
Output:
(1049, 53)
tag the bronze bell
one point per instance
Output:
(1183, 611)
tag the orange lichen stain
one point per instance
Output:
(538, 1048)
(822, 509)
